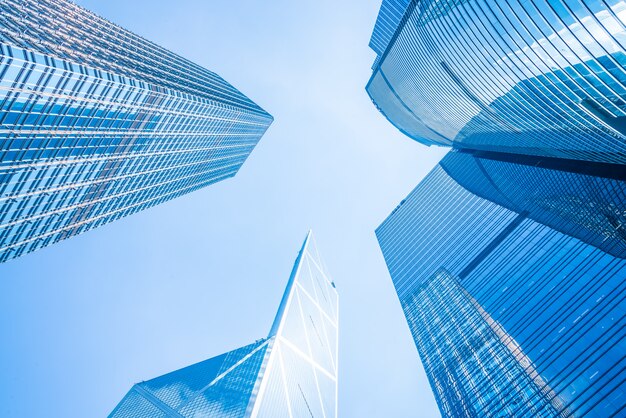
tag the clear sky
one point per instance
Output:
(83, 320)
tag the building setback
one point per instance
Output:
(514, 300)
(524, 77)
(292, 373)
(509, 257)
(97, 123)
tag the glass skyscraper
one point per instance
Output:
(97, 123)
(542, 77)
(292, 373)
(511, 277)
(585, 201)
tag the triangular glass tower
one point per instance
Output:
(292, 373)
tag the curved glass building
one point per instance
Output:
(542, 77)
(568, 197)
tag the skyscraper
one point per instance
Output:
(97, 123)
(291, 373)
(581, 200)
(524, 77)
(511, 277)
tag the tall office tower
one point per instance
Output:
(585, 201)
(527, 77)
(511, 277)
(292, 373)
(97, 123)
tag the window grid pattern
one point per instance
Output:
(218, 387)
(560, 300)
(590, 208)
(60, 28)
(290, 374)
(389, 16)
(537, 77)
(81, 145)
(484, 364)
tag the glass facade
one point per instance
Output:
(97, 123)
(292, 373)
(515, 304)
(218, 387)
(389, 17)
(561, 194)
(542, 77)
(486, 365)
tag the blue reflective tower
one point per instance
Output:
(585, 201)
(511, 277)
(545, 78)
(97, 123)
(292, 373)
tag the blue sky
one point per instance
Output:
(84, 319)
